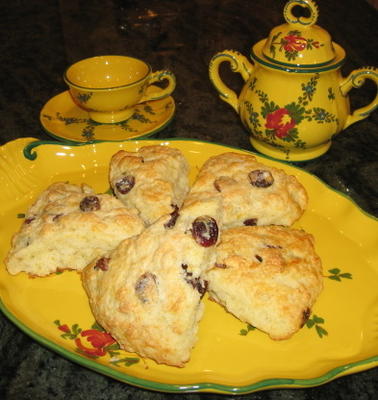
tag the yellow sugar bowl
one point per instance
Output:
(294, 99)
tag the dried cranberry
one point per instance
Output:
(261, 178)
(174, 215)
(56, 217)
(305, 316)
(205, 231)
(199, 285)
(90, 203)
(185, 268)
(217, 186)
(102, 263)
(250, 222)
(223, 266)
(144, 281)
(272, 246)
(29, 220)
(258, 258)
(125, 184)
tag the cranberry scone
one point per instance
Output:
(252, 193)
(67, 227)
(267, 276)
(153, 179)
(147, 292)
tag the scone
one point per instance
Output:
(154, 180)
(147, 292)
(252, 193)
(267, 276)
(67, 227)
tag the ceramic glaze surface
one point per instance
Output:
(107, 72)
(230, 356)
(109, 87)
(64, 120)
(294, 99)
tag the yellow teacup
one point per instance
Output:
(109, 87)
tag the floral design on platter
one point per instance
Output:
(292, 44)
(316, 322)
(337, 275)
(95, 343)
(249, 328)
(281, 123)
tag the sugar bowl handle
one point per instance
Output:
(355, 80)
(238, 63)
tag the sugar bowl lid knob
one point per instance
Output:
(299, 42)
(301, 20)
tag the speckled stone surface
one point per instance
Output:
(41, 38)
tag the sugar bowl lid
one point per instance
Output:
(299, 42)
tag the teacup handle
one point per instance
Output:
(239, 64)
(355, 80)
(159, 76)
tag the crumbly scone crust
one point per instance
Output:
(160, 179)
(267, 276)
(57, 234)
(280, 201)
(148, 297)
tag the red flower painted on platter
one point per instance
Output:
(294, 43)
(64, 328)
(280, 121)
(99, 340)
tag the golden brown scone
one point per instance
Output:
(154, 180)
(146, 293)
(67, 227)
(267, 276)
(252, 193)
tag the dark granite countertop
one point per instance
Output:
(41, 38)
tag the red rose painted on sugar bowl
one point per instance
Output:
(294, 98)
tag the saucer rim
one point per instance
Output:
(64, 138)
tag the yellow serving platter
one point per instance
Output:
(341, 336)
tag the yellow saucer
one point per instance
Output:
(63, 119)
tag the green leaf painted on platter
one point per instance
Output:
(320, 331)
(244, 332)
(127, 361)
(334, 271)
(337, 275)
(97, 327)
(316, 322)
(335, 278)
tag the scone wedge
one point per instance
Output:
(267, 276)
(147, 292)
(67, 227)
(153, 179)
(253, 193)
